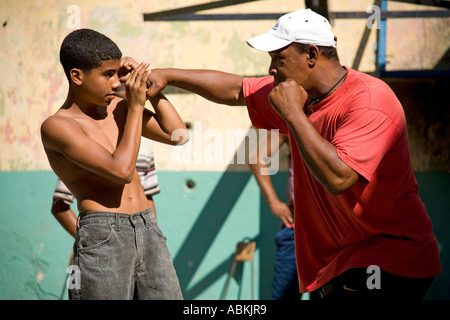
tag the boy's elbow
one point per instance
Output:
(128, 177)
(124, 176)
(122, 179)
(180, 137)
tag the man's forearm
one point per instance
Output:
(216, 86)
(320, 156)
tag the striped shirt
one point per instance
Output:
(145, 166)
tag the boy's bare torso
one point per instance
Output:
(93, 192)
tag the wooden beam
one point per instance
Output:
(162, 15)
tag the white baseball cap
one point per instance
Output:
(303, 26)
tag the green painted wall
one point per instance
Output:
(203, 225)
(435, 191)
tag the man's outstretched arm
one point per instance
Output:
(216, 86)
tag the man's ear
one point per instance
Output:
(77, 76)
(313, 55)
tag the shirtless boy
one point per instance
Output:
(92, 143)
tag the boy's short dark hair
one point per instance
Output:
(86, 49)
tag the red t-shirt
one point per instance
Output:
(381, 220)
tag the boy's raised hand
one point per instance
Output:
(136, 85)
(127, 64)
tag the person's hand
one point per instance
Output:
(127, 64)
(157, 82)
(136, 85)
(282, 211)
(287, 98)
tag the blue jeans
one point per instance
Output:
(122, 256)
(285, 281)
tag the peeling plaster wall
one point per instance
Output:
(33, 85)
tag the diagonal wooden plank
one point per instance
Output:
(191, 9)
(223, 17)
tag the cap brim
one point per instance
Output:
(267, 42)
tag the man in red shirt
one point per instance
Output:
(361, 229)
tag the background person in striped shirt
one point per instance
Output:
(145, 166)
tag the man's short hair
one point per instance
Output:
(329, 53)
(86, 49)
